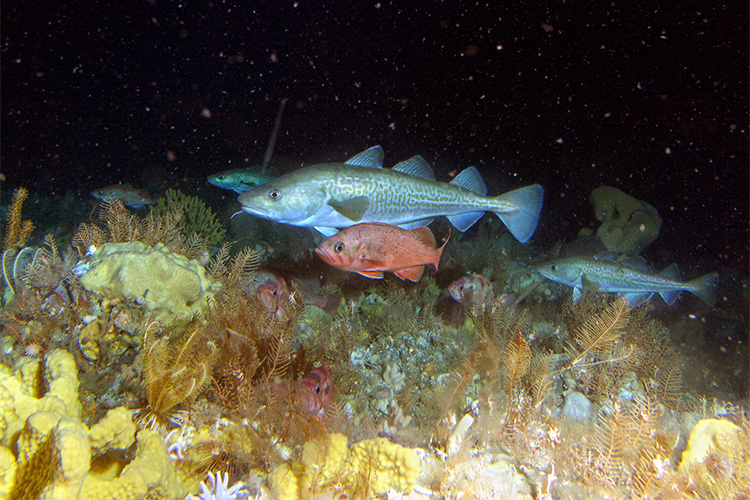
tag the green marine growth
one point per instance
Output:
(198, 218)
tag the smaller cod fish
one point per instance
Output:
(630, 279)
(373, 248)
(130, 197)
(240, 180)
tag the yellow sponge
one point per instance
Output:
(376, 466)
(7, 472)
(150, 475)
(710, 435)
(115, 431)
(16, 403)
(389, 465)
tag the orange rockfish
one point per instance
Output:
(315, 391)
(371, 248)
(472, 291)
(130, 197)
(276, 298)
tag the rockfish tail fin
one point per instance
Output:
(705, 287)
(522, 222)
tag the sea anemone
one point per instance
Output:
(218, 489)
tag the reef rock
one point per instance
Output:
(628, 225)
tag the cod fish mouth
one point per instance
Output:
(254, 210)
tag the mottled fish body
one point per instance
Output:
(240, 180)
(129, 196)
(630, 279)
(338, 195)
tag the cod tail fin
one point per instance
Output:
(522, 221)
(705, 287)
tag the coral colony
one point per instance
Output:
(134, 366)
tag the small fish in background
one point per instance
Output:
(129, 196)
(274, 295)
(240, 180)
(477, 292)
(275, 298)
(373, 248)
(630, 278)
(315, 391)
(473, 291)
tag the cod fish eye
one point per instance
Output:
(338, 247)
(554, 268)
(274, 195)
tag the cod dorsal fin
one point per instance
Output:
(471, 179)
(636, 262)
(351, 208)
(372, 157)
(424, 235)
(671, 273)
(416, 166)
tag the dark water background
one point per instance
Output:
(650, 99)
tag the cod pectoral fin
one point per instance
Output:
(351, 208)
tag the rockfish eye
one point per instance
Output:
(553, 268)
(274, 195)
(338, 247)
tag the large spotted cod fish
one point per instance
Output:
(331, 196)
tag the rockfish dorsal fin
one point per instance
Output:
(351, 208)
(471, 179)
(372, 157)
(416, 166)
